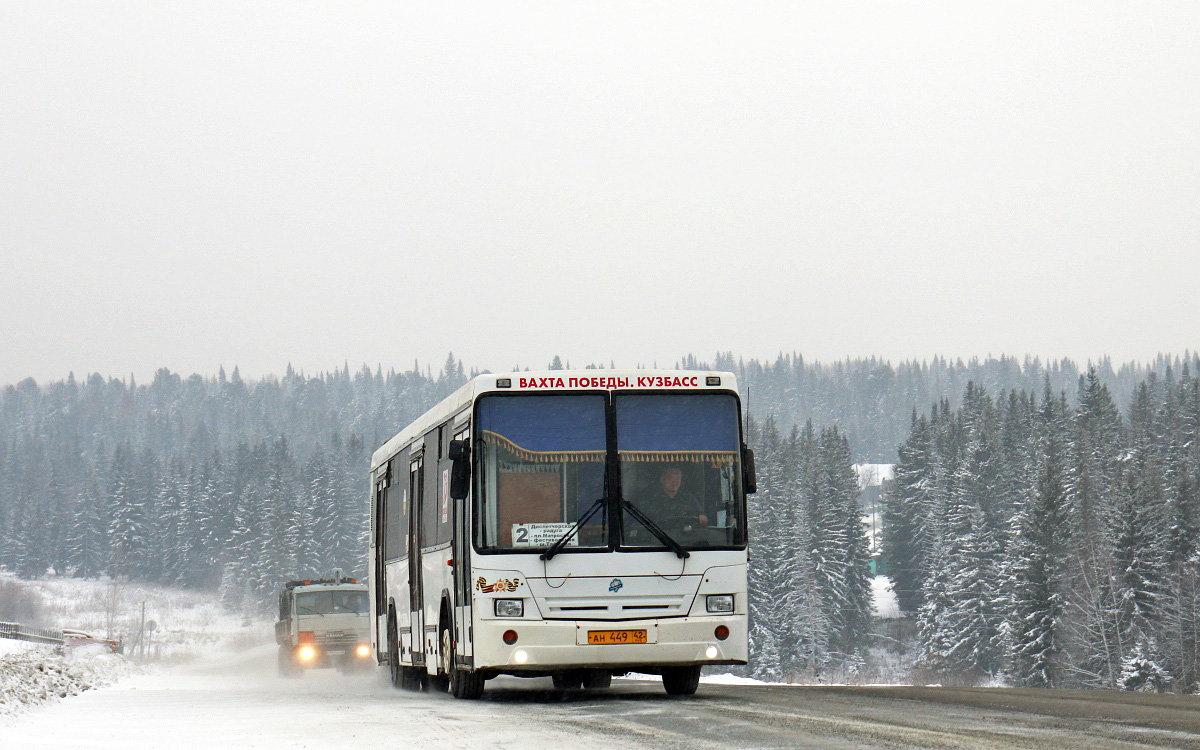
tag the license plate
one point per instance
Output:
(607, 637)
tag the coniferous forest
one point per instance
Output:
(1042, 525)
(1053, 540)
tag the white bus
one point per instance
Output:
(576, 524)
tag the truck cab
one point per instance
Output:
(323, 623)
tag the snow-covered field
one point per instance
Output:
(189, 626)
(884, 598)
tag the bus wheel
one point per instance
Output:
(460, 682)
(467, 685)
(681, 680)
(597, 679)
(395, 670)
(567, 680)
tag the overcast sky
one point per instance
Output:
(192, 185)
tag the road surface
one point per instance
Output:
(240, 703)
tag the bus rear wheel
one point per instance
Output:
(681, 680)
(395, 670)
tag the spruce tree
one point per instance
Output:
(905, 507)
(1037, 575)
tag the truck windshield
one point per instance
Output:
(332, 603)
(680, 466)
(541, 468)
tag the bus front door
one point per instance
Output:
(417, 621)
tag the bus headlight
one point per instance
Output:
(363, 651)
(509, 607)
(722, 603)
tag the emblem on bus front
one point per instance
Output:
(615, 586)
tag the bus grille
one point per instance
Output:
(614, 608)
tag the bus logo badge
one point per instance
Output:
(615, 586)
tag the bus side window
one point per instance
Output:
(396, 515)
(446, 521)
(432, 492)
(445, 514)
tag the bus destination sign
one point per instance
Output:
(649, 381)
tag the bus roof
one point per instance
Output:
(553, 380)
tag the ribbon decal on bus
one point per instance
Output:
(501, 584)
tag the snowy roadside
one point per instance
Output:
(189, 626)
(37, 675)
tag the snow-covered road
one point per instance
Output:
(239, 702)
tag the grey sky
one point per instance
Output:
(195, 184)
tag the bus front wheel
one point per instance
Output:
(681, 680)
(466, 685)
(462, 684)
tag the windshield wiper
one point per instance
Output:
(562, 540)
(654, 529)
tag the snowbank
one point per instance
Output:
(39, 675)
(732, 679)
(8, 646)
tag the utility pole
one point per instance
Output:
(142, 631)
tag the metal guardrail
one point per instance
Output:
(18, 632)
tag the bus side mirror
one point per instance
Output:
(749, 473)
(460, 471)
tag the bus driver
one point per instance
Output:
(667, 501)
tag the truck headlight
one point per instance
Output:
(719, 603)
(509, 607)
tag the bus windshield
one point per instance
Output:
(541, 462)
(541, 470)
(679, 456)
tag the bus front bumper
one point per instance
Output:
(543, 645)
